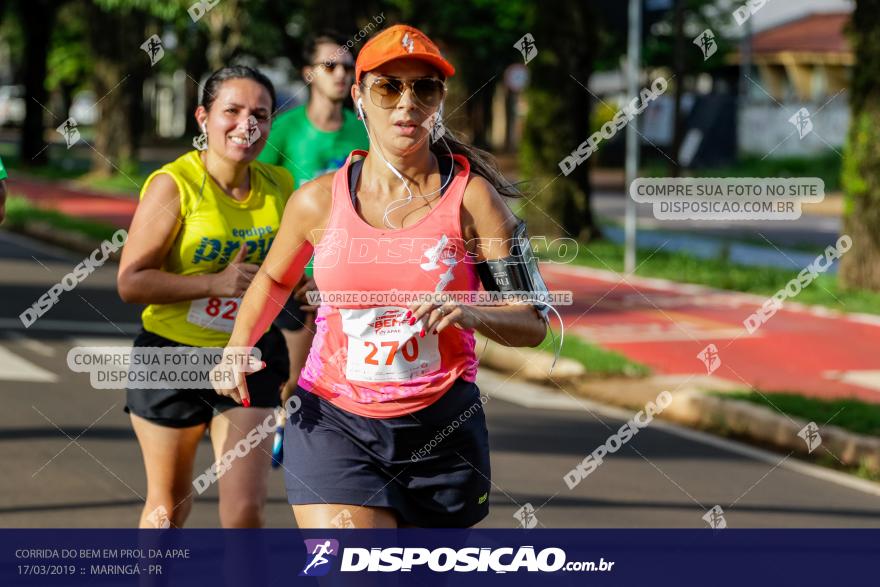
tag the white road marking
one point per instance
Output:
(15, 368)
(33, 345)
(869, 379)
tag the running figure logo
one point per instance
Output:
(342, 520)
(154, 49)
(68, 130)
(526, 516)
(253, 131)
(715, 518)
(710, 358)
(802, 122)
(810, 434)
(159, 518)
(526, 46)
(434, 125)
(317, 551)
(706, 42)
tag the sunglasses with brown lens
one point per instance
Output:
(385, 92)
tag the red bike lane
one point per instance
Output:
(666, 325)
(114, 209)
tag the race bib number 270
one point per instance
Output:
(382, 346)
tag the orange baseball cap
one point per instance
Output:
(398, 41)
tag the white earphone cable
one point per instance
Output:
(409, 198)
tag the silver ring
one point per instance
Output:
(442, 311)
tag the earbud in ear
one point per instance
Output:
(360, 107)
(204, 127)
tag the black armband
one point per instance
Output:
(517, 272)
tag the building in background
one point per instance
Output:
(795, 101)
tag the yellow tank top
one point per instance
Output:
(214, 227)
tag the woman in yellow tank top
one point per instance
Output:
(204, 224)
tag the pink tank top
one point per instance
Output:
(364, 358)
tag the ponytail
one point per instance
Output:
(482, 162)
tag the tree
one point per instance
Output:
(69, 61)
(118, 70)
(210, 35)
(860, 266)
(558, 118)
(37, 19)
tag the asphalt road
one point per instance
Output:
(70, 459)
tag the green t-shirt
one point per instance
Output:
(307, 152)
(2, 170)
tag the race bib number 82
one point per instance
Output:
(214, 313)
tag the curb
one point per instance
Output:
(691, 406)
(763, 425)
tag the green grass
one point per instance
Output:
(116, 182)
(20, 212)
(826, 167)
(599, 362)
(717, 273)
(850, 414)
(77, 171)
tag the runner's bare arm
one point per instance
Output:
(486, 219)
(306, 212)
(142, 279)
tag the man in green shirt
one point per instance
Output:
(2, 191)
(309, 141)
(317, 137)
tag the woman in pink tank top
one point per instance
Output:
(388, 428)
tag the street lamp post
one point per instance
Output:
(632, 131)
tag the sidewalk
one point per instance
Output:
(663, 324)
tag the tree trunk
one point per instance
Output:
(558, 119)
(196, 66)
(479, 112)
(225, 34)
(138, 117)
(66, 91)
(118, 82)
(860, 266)
(37, 18)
